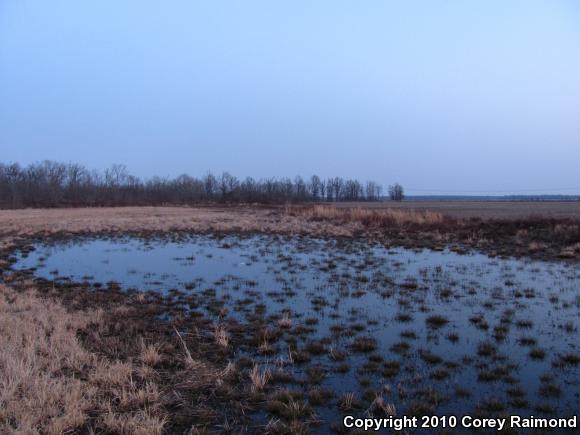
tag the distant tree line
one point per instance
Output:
(54, 184)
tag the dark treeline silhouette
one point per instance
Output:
(54, 184)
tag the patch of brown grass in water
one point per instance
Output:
(534, 236)
(369, 217)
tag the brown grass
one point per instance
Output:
(221, 336)
(84, 370)
(150, 354)
(369, 217)
(45, 222)
(505, 210)
(50, 384)
(538, 237)
(285, 322)
(259, 378)
(381, 408)
(37, 345)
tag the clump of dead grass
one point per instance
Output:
(368, 217)
(51, 384)
(285, 322)
(150, 354)
(221, 336)
(37, 346)
(381, 408)
(259, 378)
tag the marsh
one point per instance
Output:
(352, 317)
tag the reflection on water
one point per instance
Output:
(453, 332)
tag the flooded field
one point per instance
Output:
(333, 327)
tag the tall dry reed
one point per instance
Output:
(368, 217)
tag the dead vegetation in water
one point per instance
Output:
(534, 236)
(369, 217)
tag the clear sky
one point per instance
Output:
(448, 96)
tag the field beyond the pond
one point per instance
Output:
(484, 209)
(160, 218)
(255, 319)
(550, 230)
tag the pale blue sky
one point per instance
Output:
(479, 96)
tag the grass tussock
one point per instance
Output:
(150, 354)
(221, 336)
(259, 378)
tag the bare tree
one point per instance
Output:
(300, 192)
(335, 187)
(396, 192)
(227, 186)
(314, 187)
(373, 191)
(323, 189)
(209, 185)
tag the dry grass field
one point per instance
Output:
(483, 209)
(27, 222)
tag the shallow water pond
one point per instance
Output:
(426, 331)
